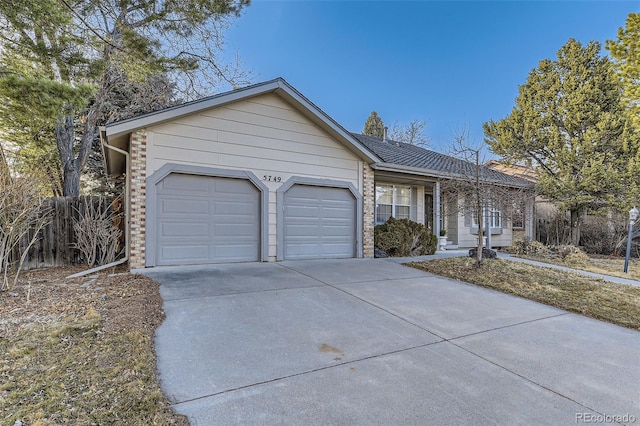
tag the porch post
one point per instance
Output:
(529, 218)
(436, 209)
(487, 228)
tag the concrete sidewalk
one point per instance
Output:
(368, 341)
(501, 255)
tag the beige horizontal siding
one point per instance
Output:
(201, 138)
(264, 135)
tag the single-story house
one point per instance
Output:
(262, 174)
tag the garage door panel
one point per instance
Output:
(235, 230)
(188, 254)
(337, 231)
(235, 208)
(181, 183)
(182, 229)
(236, 252)
(301, 212)
(205, 219)
(184, 205)
(319, 222)
(337, 213)
(330, 249)
(302, 251)
(233, 187)
(302, 231)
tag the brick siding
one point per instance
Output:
(369, 205)
(138, 176)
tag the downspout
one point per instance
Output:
(127, 211)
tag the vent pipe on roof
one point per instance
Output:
(384, 134)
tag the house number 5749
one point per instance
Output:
(269, 178)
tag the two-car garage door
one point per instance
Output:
(206, 219)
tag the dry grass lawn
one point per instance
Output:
(595, 298)
(606, 265)
(81, 351)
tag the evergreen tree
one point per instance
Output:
(61, 59)
(374, 126)
(569, 122)
(625, 52)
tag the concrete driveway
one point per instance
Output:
(369, 341)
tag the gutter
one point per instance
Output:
(127, 211)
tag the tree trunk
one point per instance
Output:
(576, 221)
(480, 220)
(65, 137)
(73, 165)
(71, 182)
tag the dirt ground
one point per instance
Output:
(45, 295)
(91, 313)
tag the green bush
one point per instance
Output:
(404, 237)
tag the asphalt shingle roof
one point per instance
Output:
(407, 155)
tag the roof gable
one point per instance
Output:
(117, 134)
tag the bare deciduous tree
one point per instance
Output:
(480, 191)
(412, 133)
(22, 216)
(96, 234)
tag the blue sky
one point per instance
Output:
(453, 64)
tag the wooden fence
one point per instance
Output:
(55, 244)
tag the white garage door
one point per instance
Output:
(204, 219)
(319, 222)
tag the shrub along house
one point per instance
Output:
(262, 174)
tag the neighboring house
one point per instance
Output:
(541, 210)
(262, 174)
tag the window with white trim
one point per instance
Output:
(517, 217)
(396, 201)
(495, 218)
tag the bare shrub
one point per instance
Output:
(97, 236)
(605, 235)
(554, 228)
(529, 247)
(571, 255)
(22, 217)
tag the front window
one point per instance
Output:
(393, 201)
(495, 218)
(517, 216)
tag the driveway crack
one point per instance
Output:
(303, 373)
(523, 377)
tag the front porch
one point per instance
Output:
(421, 199)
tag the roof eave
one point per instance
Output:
(390, 167)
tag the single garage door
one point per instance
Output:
(319, 222)
(204, 219)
